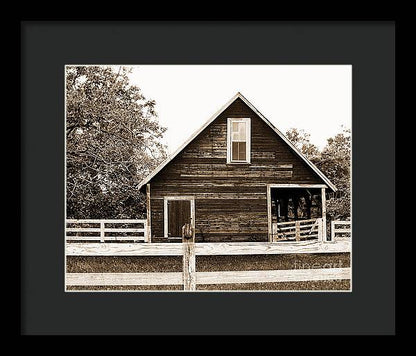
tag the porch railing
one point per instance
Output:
(297, 230)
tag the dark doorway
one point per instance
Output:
(179, 213)
(291, 204)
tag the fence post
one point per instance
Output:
(297, 230)
(188, 242)
(320, 234)
(146, 231)
(323, 199)
(102, 231)
(273, 236)
(332, 231)
(148, 225)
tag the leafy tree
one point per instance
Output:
(301, 140)
(334, 161)
(112, 142)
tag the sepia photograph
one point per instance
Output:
(199, 178)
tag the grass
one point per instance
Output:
(342, 284)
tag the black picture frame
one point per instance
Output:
(46, 46)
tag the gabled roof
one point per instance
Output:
(212, 118)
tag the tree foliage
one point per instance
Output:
(302, 142)
(112, 142)
(335, 162)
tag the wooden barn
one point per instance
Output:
(237, 178)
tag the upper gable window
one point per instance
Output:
(238, 140)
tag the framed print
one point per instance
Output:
(232, 176)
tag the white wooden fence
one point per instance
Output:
(190, 278)
(340, 230)
(98, 230)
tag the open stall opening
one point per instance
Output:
(295, 213)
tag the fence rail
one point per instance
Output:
(206, 248)
(222, 277)
(297, 230)
(344, 231)
(99, 232)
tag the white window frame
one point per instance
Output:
(247, 120)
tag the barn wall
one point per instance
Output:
(230, 199)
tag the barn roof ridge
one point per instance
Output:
(212, 118)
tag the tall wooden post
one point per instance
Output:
(188, 242)
(148, 215)
(332, 231)
(323, 198)
(269, 214)
(297, 230)
(102, 231)
(320, 234)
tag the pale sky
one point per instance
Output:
(316, 98)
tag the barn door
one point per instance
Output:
(179, 213)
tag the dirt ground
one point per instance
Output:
(109, 264)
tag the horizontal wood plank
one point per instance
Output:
(270, 248)
(293, 222)
(300, 185)
(82, 238)
(82, 229)
(123, 279)
(134, 249)
(206, 248)
(298, 275)
(301, 227)
(106, 238)
(342, 230)
(222, 277)
(293, 232)
(292, 237)
(82, 221)
(123, 230)
(112, 221)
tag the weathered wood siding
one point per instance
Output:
(230, 199)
